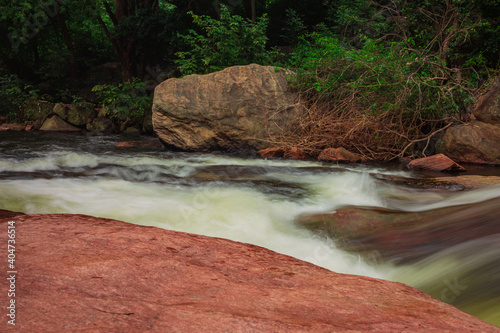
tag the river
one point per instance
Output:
(248, 200)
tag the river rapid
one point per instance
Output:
(248, 200)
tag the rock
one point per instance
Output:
(78, 114)
(240, 108)
(143, 143)
(293, 153)
(439, 162)
(339, 155)
(12, 127)
(473, 142)
(401, 237)
(101, 124)
(488, 107)
(55, 123)
(471, 182)
(80, 273)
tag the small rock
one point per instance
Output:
(439, 162)
(339, 155)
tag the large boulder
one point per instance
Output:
(78, 273)
(241, 107)
(474, 142)
(488, 107)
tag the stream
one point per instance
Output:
(249, 200)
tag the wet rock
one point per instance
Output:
(81, 273)
(55, 123)
(341, 155)
(401, 237)
(473, 142)
(488, 107)
(240, 108)
(439, 162)
(78, 114)
(142, 143)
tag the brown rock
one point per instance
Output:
(239, 108)
(439, 162)
(488, 106)
(474, 142)
(143, 143)
(55, 123)
(12, 127)
(339, 155)
(79, 273)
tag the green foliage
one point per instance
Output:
(379, 79)
(13, 93)
(228, 41)
(128, 99)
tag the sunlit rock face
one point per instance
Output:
(239, 108)
(81, 273)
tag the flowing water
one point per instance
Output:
(249, 200)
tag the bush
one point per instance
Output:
(377, 99)
(129, 99)
(228, 41)
(13, 93)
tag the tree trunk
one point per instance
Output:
(254, 12)
(69, 44)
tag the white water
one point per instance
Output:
(247, 200)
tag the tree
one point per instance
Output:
(116, 20)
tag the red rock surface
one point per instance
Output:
(438, 162)
(339, 155)
(79, 273)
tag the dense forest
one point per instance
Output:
(413, 64)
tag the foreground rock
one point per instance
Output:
(401, 237)
(79, 273)
(239, 108)
(474, 142)
(439, 162)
